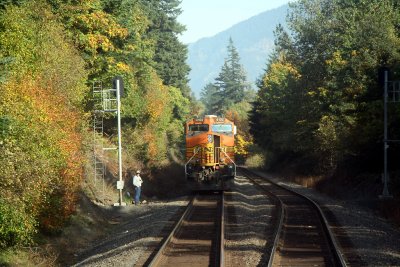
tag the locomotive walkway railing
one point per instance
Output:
(196, 150)
(222, 149)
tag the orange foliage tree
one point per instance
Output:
(40, 123)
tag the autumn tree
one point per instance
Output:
(41, 119)
(319, 100)
(49, 52)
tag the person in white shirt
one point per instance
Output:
(137, 183)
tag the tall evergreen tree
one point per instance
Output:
(230, 87)
(234, 75)
(170, 54)
(209, 98)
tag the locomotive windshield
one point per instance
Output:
(221, 128)
(198, 128)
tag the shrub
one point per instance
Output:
(16, 225)
(255, 161)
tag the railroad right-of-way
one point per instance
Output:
(196, 238)
(279, 226)
(255, 222)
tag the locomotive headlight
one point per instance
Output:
(210, 138)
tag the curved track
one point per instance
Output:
(197, 239)
(303, 237)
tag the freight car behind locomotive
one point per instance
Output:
(210, 149)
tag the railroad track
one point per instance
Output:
(302, 235)
(197, 239)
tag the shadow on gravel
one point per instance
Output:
(132, 227)
(248, 222)
(352, 258)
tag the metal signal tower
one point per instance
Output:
(391, 94)
(107, 101)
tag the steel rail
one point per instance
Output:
(281, 213)
(334, 247)
(222, 233)
(157, 257)
(337, 253)
(219, 239)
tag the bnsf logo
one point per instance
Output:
(207, 149)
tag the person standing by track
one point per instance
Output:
(137, 183)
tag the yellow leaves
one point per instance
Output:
(123, 67)
(156, 105)
(311, 93)
(157, 98)
(279, 71)
(45, 143)
(131, 47)
(320, 91)
(99, 21)
(241, 145)
(337, 59)
(17, 38)
(98, 29)
(323, 91)
(96, 41)
(119, 67)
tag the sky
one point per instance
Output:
(205, 18)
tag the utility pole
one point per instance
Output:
(120, 183)
(385, 193)
(391, 94)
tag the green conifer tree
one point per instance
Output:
(231, 82)
(210, 98)
(170, 54)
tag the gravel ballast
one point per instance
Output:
(138, 234)
(247, 224)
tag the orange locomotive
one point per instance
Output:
(210, 148)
